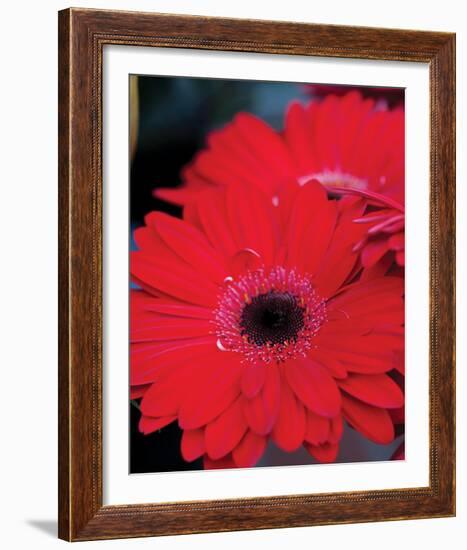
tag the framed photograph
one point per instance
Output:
(256, 276)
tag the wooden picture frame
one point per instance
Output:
(83, 34)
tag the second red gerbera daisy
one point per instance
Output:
(247, 328)
(344, 142)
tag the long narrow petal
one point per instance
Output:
(313, 385)
(340, 258)
(249, 450)
(289, 430)
(267, 144)
(253, 378)
(372, 422)
(317, 428)
(147, 360)
(325, 453)
(184, 284)
(142, 303)
(251, 221)
(309, 236)
(158, 328)
(261, 411)
(336, 429)
(192, 444)
(212, 210)
(328, 361)
(378, 390)
(190, 244)
(200, 408)
(226, 431)
(374, 250)
(222, 464)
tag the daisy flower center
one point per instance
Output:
(269, 315)
(272, 318)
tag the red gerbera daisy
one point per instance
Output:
(247, 329)
(344, 142)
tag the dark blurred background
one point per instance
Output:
(176, 114)
(170, 118)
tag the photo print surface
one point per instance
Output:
(266, 274)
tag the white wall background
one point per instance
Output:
(28, 300)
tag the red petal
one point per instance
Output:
(253, 378)
(219, 169)
(249, 451)
(215, 394)
(317, 428)
(289, 429)
(313, 385)
(340, 259)
(371, 345)
(177, 384)
(162, 399)
(320, 233)
(191, 215)
(261, 411)
(378, 270)
(399, 363)
(365, 364)
(267, 145)
(372, 422)
(337, 328)
(382, 296)
(398, 415)
(192, 444)
(337, 429)
(377, 389)
(244, 260)
(222, 464)
(173, 279)
(244, 205)
(190, 244)
(138, 391)
(229, 149)
(142, 303)
(232, 158)
(298, 136)
(326, 360)
(147, 360)
(154, 328)
(310, 232)
(212, 211)
(397, 241)
(226, 431)
(374, 250)
(325, 453)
